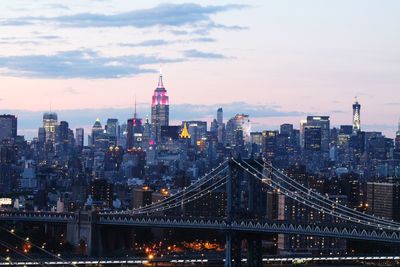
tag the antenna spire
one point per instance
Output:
(135, 109)
(160, 81)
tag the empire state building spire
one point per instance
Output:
(160, 81)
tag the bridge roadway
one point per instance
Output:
(205, 261)
(282, 227)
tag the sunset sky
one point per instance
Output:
(277, 60)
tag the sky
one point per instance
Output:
(276, 60)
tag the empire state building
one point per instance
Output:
(159, 110)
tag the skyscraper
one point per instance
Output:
(397, 139)
(62, 132)
(356, 116)
(112, 130)
(134, 136)
(97, 131)
(50, 125)
(220, 116)
(159, 109)
(323, 122)
(8, 126)
(80, 135)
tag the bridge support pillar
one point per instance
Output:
(254, 252)
(228, 250)
(82, 235)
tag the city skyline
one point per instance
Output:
(312, 53)
(209, 133)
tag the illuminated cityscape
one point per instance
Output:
(161, 181)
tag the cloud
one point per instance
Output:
(57, 6)
(19, 42)
(163, 42)
(35, 40)
(78, 64)
(192, 53)
(154, 42)
(203, 40)
(165, 15)
(48, 37)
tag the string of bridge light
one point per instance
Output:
(200, 180)
(33, 244)
(309, 203)
(186, 192)
(183, 192)
(192, 198)
(177, 194)
(330, 202)
(12, 248)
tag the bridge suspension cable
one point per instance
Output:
(12, 248)
(306, 201)
(205, 179)
(328, 201)
(34, 245)
(176, 198)
(197, 195)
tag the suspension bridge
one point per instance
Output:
(241, 181)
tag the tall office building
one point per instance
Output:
(383, 200)
(323, 123)
(312, 138)
(8, 126)
(62, 132)
(356, 116)
(220, 116)
(97, 131)
(50, 125)
(112, 129)
(287, 129)
(159, 109)
(397, 140)
(396, 151)
(242, 122)
(134, 129)
(102, 191)
(80, 135)
(42, 135)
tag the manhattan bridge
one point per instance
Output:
(242, 180)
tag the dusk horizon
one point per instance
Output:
(54, 55)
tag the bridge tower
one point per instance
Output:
(244, 201)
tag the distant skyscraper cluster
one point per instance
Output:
(130, 163)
